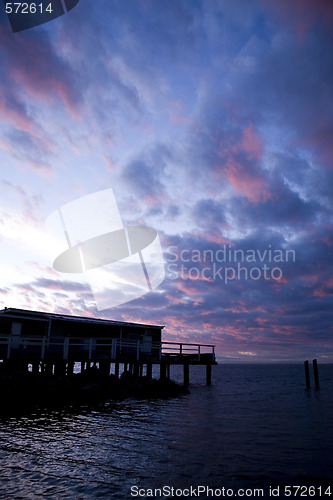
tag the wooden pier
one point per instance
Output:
(43, 343)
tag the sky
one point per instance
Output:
(212, 122)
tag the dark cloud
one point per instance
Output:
(209, 213)
(146, 175)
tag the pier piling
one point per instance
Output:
(307, 374)
(70, 369)
(136, 369)
(163, 371)
(315, 373)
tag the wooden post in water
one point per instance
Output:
(60, 369)
(47, 368)
(104, 366)
(307, 374)
(162, 371)
(70, 369)
(135, 369)
(315, 372)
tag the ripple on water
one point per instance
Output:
(251, 432)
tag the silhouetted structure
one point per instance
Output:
(53, 343)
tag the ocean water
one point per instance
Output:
(255, 427)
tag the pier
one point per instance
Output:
(54, 344)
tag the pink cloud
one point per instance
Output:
(313, 278)
(110, 162)
(213, 237)
(250, 143)
(33, 66)
(176, 300)
(262, 321)
(241, 160)
(321, 141)
(302, 15)
(188, 287)
(282, 280)
(325, 290)
(43, 270)
(41, 167)
(250, 185)
(14, 112)
(177, 114)
(322, 293)
(241, 307)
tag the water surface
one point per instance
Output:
(255, 426)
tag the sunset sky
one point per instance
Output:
(212, 121)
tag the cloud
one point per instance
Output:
(31, 205)
(212, 122)
(64, 285)
(209, 213)
(31, 64)
(30, 149)
(302, 16)
(14, 111)
(146, 176)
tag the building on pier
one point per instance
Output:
(53, 343)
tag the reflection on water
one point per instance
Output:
(255, 426)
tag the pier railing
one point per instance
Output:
(111, 349)
(185, 349)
